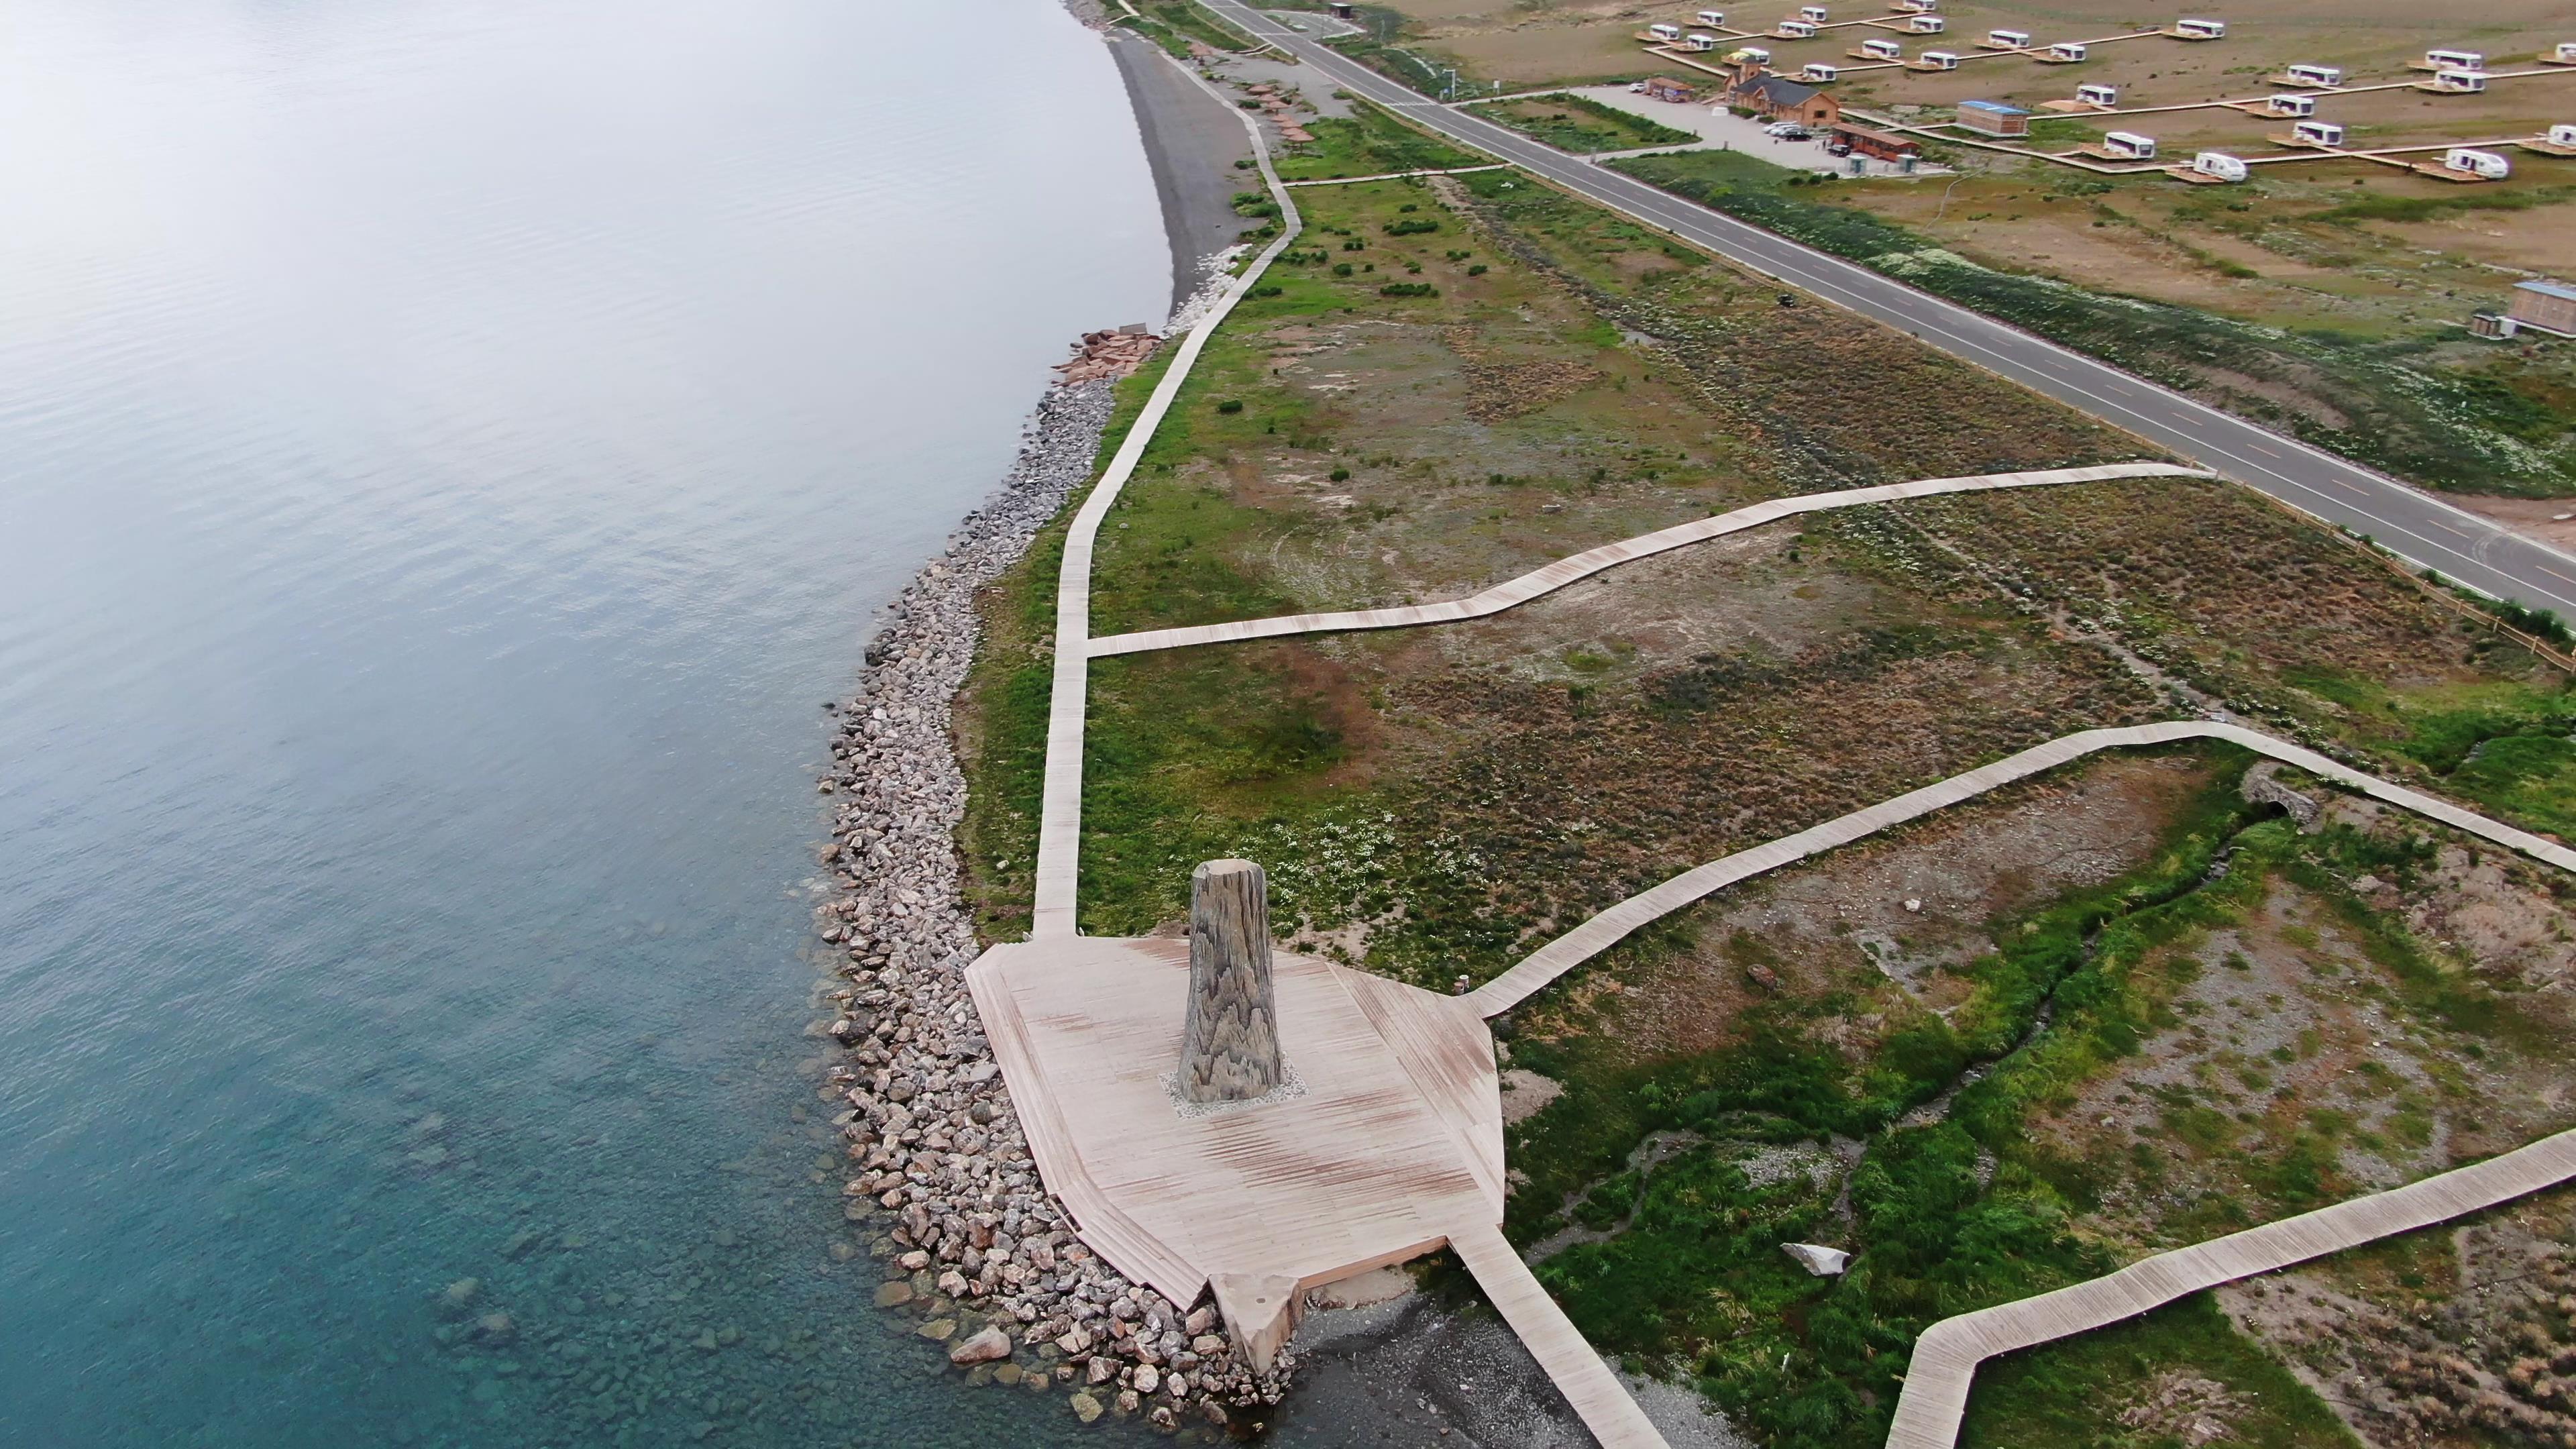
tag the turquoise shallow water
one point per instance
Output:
(447, 453)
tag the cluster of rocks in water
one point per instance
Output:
(941, 1181)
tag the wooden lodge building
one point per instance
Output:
(1778, 98)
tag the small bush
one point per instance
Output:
(1477, 270)
(1341, 475)
(1408, 289)
(1415, 227)
(1230, 405)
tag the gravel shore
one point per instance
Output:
(942, 1188)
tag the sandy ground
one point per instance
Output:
(2550, 520)
(1193, 140)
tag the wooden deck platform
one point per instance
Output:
(1396, 1142)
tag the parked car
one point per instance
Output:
(1789, 131)
(1838, 149)
(1636, 88)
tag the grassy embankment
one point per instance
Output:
(1174, 24)
(1580, 124)
(2387, 402)
(1443, 386)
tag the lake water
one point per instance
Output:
(448, 451)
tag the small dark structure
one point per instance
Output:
(1665, 88)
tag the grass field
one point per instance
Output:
(2423, 403)
(1580, 124)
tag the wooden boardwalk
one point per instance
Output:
(1610, 555)
(1534, 972)
(1060, 804)
(1552, 1339)
(1393, 1146)
(1946, 1356)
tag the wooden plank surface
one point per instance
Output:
(1946, 1356)
(1533, 973)
(1060, 800)
(1363, 1168)
(1610, 555)
(1587, 1383)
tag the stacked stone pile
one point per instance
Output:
(1112, 355)
(942, 1184)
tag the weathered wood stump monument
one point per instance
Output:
(1386, 1142)
(1230, 1040)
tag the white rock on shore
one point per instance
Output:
(943, 1182)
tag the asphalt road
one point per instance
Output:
(2418, 526)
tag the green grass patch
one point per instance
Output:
(1581, 125)
(2077, 1392)
(1369, 142)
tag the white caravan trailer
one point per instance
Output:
(2315, 75)
(2129, 145)
(2317, 133)
(2291, 105)
(2008, 39)
(1712, 17)
(1796, 30)
(1665, 33)
(2201, 29)
(1816, 72)
(2460, 82)
(2067, 50)
(2455, 59)
(2098, 95)
(1926, 24)
(1882, 50)
(2218, 164)
(2486, 165)
(1939, 60)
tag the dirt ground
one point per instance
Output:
(1884, 924)
(1521, 42)
(2454, 1336)
(2550, 520)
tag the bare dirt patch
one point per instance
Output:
(2455, 1335)
(1841, 928)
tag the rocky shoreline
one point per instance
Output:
(942, 1188)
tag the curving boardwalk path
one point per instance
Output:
(1060, 804)
(1535, 971)
(1946, 1356)
(1610, 555)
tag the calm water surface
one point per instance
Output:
(448, 449)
